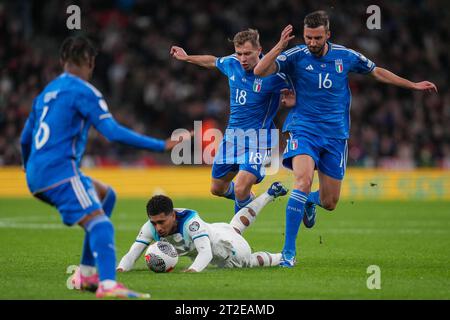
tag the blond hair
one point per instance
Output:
(250, 35)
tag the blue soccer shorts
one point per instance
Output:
(229, 158)
(74, 199)
(330, 155)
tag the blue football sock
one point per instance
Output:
(101, 240)
(314, 197)
(87, 258)
(230, 192)
(109, 201)
(239, 204)
(294, 216)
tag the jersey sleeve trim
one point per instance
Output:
(104, 116)
(371, 68)
(222, 59)
(293, 50)
(281, 75)
(200, 235)
(277, 66)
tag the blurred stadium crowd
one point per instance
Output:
(154, 94)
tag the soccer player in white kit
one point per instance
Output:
(220, 244)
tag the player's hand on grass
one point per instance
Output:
(286, 37)
(178, 53)
(287, 98)
(425, 85)
(178, 138)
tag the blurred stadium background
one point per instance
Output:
(400, 140)
(399, 149)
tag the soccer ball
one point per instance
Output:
(161, 256)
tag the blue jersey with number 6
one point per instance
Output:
(323, 96)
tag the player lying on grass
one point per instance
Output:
(220, 244)
(53, 143)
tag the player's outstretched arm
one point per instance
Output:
(177, 138)
(266, 65)
(206, 61)
(143, 239)
(128, 260)
(204, 256)
(389, 77)
(115, 132)
(26, 140)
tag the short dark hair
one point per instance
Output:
(159, 204)
(316, 19)
(77, 50)
(250, 35)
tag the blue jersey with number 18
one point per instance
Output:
(323, 96)
(254, 101)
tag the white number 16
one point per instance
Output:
(327, 83)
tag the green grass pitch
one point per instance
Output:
(409, 241)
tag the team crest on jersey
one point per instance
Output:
(194, 226)
(339, 65)
(257, 84)
(293, 144)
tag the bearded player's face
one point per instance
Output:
(315, 39)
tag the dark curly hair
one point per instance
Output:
(77, 50)
(159, 204)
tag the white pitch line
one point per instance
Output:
(392, 231)
(9, 224)
(38, 226)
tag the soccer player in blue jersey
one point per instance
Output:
(53, 142)
(320, 121)
(253, 105)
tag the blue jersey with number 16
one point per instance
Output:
(323, 96)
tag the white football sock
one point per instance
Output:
(247, 215)
(265, 259)
(108, 284)
(87, 271)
